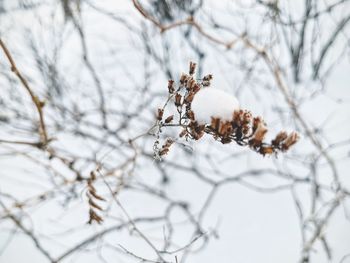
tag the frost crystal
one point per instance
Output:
(210, 102)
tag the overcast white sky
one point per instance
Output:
(251, 226)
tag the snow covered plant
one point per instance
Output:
(202, 109)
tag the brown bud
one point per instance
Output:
(266, 150)
(199, 135)
(280, 137)
(206, 83)
(166, 146)
(238, 117)
(183, 133)
(215, 123)
(41, 103)
(290, 140)
(190, 115)
(256, 123)
(247, 117)
(208, 77)
(196, 88)
(255, 143)
(169, 119)
(164, 151)
(200, 128)
(189, 97)
(245, 129)
(192, 68)
(178, 98)
(183, 78)
(190, 84)
(223, 128)
(171, 88)
(92, 175)
(226, 140)
(260, 132)
(169, 141)
(160, 114)
(235, 116)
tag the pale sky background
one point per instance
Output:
(252, 227)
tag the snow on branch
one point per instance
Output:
(201, 109)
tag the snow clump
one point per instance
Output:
(211, 102)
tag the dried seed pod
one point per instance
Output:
(183, 133)
(166, 146)
(206, 83)
(235, 117)
(178, 98)
(163, 151)
(280, 137)
(256, 122)
(169, 119)
(190, 115)
(290, 140)
(254, 144)
(245, 129)
(238, 117)
(189, 97)
(226, 140)
(92, 176)
(227, 129)
(215, 124)
(196, 88)
(183, 79)
(260, 132)
(160, 114)
(200, 128)
(192, 68)
(222, 128)
(266, 150)
(190, 84)
(247, 117)
(198, 135)
(208, 77)
(41, 103)
(171, 88)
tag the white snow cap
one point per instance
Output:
(211, 102)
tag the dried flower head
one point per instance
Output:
(241, 128)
